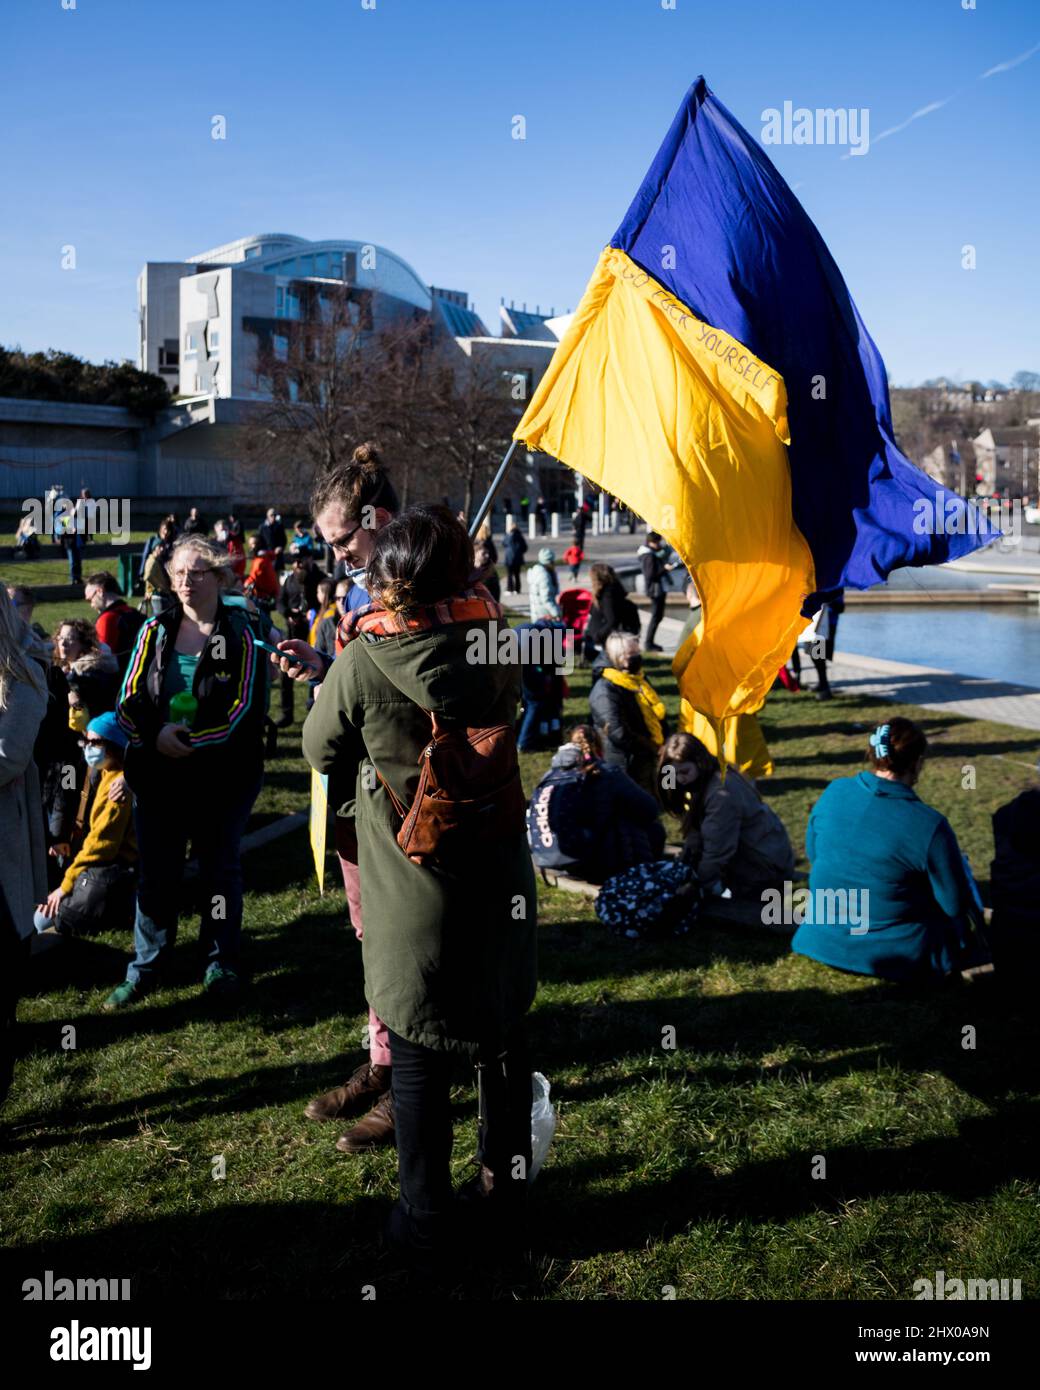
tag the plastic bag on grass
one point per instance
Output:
(543, 1122)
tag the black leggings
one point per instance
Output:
(422, 1119)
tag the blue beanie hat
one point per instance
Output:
(106, 726)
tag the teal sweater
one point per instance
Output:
(888, 891)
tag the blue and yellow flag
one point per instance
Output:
(718, 379)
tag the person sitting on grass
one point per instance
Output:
(1015, 888)
(97, 887)
(886, 858)
(626, 710)
(588, 818)
(731, 838)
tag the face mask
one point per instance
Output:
(78, 720)
(94, 754)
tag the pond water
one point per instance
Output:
(1001, 642)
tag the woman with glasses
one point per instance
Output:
(351, 504)
(192, 706)
(97, 886)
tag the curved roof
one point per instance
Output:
(236, 250)
(271, 250)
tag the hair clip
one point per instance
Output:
(879, 740)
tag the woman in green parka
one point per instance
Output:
(449, 952)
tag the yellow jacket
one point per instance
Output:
(111, 833)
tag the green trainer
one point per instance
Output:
(222, 982)
(123, 995)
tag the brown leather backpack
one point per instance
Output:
(469, 795)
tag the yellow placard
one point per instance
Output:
(319, 823)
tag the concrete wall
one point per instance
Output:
(43, 443)
(252, 296)
(158, 303)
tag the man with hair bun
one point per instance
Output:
(350, 504)
(889, 890)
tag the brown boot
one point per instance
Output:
(354, 1097)
(375, 1130)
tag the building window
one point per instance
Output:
(214, 340)
(191, 347)
(336, 267)
(350, 266)
(169, 356)
(280, 343)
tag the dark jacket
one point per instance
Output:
(654, 572)
(613, 611)
(514, 548)
(231, 687)
(95, 679)
(614, 818)
(449, 959)
(1014, 932)
(272, 536)
(298, 594)
(1015, 871)
(740, 841)
(626, 743)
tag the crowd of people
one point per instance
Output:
(109, 729)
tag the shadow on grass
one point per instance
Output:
(300, 1250)
(985, 1153)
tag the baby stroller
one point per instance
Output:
(575, 606)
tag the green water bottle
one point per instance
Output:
(183, 708)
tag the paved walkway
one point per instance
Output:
(945, 691)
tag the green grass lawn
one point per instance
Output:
(689, 1167)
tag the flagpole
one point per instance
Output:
(485, 506)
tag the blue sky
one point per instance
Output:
(393, 125)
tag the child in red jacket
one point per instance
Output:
(573, 556)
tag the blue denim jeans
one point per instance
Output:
(213, 818)
(540, 726)
(74, 554)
